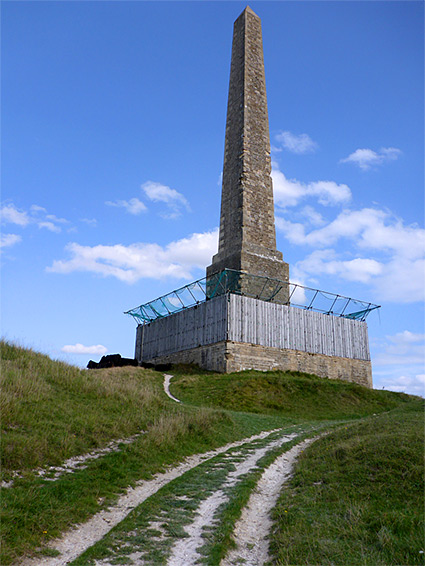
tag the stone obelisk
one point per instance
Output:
(247, 232)
(238, 328)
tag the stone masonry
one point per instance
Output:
(228, 357)
(247, 232)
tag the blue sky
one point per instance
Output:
(113, 117)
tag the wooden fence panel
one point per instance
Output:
(243, 319)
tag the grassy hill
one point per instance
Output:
(292, 394)
(52, 411)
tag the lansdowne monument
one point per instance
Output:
(245, 314)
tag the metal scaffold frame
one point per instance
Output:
(240, 283)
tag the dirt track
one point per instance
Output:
(219, 472)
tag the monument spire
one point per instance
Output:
(247, 233)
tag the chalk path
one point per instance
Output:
(82, 537)
(253, 528)
(250, 533)
(167, 379)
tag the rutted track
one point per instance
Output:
(75, 463)
(253, 528)
(159, 522)
(180, 525)
(79, 539)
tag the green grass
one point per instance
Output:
(52, 411)
(292, 394)
(357, 496)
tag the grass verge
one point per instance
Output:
(357, 496)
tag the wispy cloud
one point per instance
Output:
(133, 206)
(301, 143)
(141, 260)
(9, 214)
(367, 158)
(8, 240)
(402, 348)
(81, 349)
(49, 226)
(36, 214)
(89, 221)
(289, 192)
(398, 363)
(402, 379)
(174, 200)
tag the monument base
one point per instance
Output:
(233, 333)
(229, 357)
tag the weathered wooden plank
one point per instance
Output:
(243, 319)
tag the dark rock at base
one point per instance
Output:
(112, 361)
(156, 367)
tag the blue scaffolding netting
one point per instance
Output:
(255, 286)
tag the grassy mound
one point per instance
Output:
(52, 410)
(292, 394)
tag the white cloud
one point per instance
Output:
(156, 192)
(80, 349)
(49, 226)
(141, 260)
(402, 281)
(174, 200)
(301, 143)
(8, 240)
(326, 262)
(162, 193)
(313, 217)
(397, 274)
(399, 280)
(54, 218)
(401, 381)
(10, 214)
(370, 228)
(406, 337)
(36, 208)
(89, 221)
(289, 192)
(37, 215)
(367, 158)
(132, 206)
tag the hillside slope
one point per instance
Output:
(52, 412)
